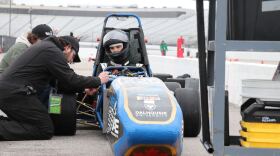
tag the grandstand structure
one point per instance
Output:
(158, 24)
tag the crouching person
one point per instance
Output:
(22, 83)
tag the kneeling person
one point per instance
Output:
(22, 83)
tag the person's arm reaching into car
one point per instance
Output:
(104, 77)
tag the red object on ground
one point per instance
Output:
(180, 49)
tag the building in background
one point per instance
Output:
(6, 1)
(158, 23)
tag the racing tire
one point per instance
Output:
(181, 81)
(65, 123)
(184, 76)
(172, 86)
(188, 100)
(162, 76)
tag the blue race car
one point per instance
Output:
(139, 113)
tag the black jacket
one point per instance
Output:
(41, 63)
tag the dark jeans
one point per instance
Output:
(28, 119)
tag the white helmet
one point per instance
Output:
(114, 37)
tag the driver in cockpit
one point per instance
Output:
(116, 47)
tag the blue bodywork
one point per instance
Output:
(143, 113)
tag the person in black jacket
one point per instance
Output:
(29, 76)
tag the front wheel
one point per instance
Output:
(65, 123)
(188, 100)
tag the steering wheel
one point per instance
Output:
(126, 72)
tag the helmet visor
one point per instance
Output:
(115, 48)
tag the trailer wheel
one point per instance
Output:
(188, 100)
(172, 86)
(65, 123)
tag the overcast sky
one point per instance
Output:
(140, 3)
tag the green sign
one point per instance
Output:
(55, 104)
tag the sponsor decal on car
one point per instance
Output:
(114, 129)
(113, 122)
(152, 106)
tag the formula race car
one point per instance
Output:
(139, 113)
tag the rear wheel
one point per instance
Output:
(188, 100)
(65, 123)
(162, 76)
(181, 81)
(184, 76)
(172, 86)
